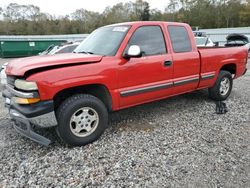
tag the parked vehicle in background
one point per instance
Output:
(45, 52)
(116, 67)
(204, 41)
(237, 40)
(59, 49)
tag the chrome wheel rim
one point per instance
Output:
(84, 122)
(224, 86)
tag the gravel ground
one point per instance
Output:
(178, 142)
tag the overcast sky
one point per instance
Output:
(63, 7)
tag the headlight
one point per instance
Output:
(25, 85)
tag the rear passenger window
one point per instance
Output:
(179, 39)
(150, 39)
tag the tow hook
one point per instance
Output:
(221, 107)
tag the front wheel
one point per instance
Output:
(223, 86)
(81, 119)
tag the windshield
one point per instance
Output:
(201, 40)
(103, 41)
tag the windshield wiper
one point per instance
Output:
(84, 52)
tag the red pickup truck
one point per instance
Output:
(116, 67)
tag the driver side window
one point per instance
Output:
(150, 39)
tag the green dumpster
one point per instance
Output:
(22, 48)
(28, 45)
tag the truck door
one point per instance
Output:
(148, 77)
(186, 60)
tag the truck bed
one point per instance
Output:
(213, 58)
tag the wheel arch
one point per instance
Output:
(230, 67)
(98, 90)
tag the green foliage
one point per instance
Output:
(28, 19)
(245, 14)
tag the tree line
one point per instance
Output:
(19, 19)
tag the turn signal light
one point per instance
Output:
(25, 101)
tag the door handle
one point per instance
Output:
(167, 63)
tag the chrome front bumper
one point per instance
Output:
(27, 116)
(43, 121)
(23, 126)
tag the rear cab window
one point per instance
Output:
(180, 39)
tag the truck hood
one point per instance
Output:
(19, 67)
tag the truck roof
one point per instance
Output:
(138, 23)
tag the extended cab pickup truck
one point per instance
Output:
(116, 67)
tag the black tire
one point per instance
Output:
(69, 108)
(215, 93)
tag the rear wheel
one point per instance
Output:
(223, 86)
(82, 119)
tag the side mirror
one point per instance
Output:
(133, 51)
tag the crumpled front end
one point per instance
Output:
(26, 109)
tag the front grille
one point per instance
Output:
(11, 80)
